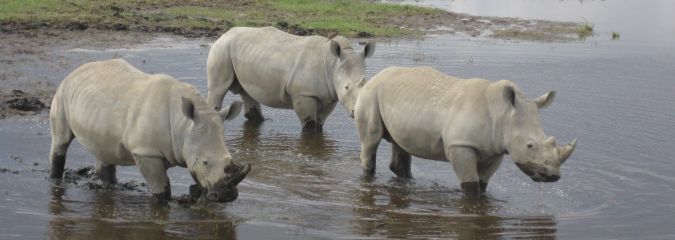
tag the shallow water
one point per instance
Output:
(615, 96)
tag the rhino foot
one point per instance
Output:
(196, 191)
(483, 186)
(312, 125)
(471, 190)
(254, 115)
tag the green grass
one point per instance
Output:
(616, 35)
(349, 16)
(585, 30)
(346, 17)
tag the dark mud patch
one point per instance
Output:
(18, 102)
(32, 62)
(85, 177)
(7, 170)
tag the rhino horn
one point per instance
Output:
(239, 176)
(566, 151)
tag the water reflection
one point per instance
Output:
(119, 216)
(399, 209)
(312, 144)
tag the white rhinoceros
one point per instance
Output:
(280, 70)
(126, 117)
(470, 123)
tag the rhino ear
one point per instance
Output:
(230, 112)
(368, 49)
(545, 99)
(335, 48)
(510, 96)
(189, 109)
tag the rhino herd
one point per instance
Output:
(123, 116)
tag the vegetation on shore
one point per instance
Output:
(210, 18)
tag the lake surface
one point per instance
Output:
(616, 97)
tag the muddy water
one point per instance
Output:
(615, 96)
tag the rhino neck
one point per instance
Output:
(497, 110)
(179, 124)
(329, 71)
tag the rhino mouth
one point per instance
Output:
(224, 190)
(537, 176)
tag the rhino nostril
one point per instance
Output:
(212, 197)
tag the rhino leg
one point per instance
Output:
(153, 170)
(486, 170)
(62, 136)
(400, 161)
(371, 131)
(106, 172)
(464, 162)
(307, 109)
(220, 75)
(324, 111)
(252, 108)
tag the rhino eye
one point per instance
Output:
(205, 163)
(530, 145)
(346, 87)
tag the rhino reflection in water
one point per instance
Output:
(307, 74)
(126, 117)
(470, 123)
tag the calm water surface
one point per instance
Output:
(615, 96)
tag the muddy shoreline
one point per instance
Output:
(29, 57)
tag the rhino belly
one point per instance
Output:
(102, 142)
(265, 84)
(418, 136)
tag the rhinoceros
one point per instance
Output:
(266, 65)
(471, 123)
(126, 117)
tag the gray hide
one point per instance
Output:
(470, 123)
(270, 67)
(126, 117)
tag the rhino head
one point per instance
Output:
(534, 153)
(205, 153)
(350, 72)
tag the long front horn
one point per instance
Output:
(240, 175)
(566, 151)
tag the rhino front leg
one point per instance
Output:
(153, 170)
(400, 161)
(106, 172)
(324, 111)
(486, 170)
(307, 109)
(464, 162)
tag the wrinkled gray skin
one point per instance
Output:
(470, 123)
(265, 65)
(126, 117)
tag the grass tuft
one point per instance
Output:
(585, 30)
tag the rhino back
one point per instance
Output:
(107, 104)
(271, 64)
(424, 110)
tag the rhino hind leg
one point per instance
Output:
(62, 136)
(400, 162)
(252, 110)
(107, 173)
